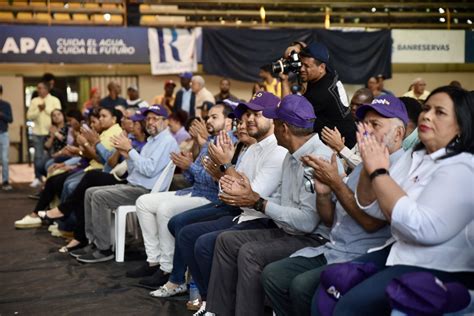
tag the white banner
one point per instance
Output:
(172, 51)
(428, 46)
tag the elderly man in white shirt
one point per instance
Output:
(428, 198)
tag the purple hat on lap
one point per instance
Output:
(421, 293)
(337, 280)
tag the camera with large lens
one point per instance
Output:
(290, 64)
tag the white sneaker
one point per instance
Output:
(164, 291)
(36, 183)
(28, 222)
(201, 311)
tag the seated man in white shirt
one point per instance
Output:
(261, 163)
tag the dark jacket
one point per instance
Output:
(178, 103)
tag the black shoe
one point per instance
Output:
(158, 279)
(84, 251)
(143, 270)
(97, 256)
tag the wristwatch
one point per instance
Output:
(225, 166)
(259, 205)
(378, 172)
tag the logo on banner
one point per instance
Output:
(172, 50)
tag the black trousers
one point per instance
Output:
(53, 187)
(75, 202)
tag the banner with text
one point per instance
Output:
(428, 46)
(172, 50)
(73, 44)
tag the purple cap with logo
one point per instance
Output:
(421, 293)
(337, 280)
(386, 105)
(138, 116)
(260, 100)
(295, 110)
(157, 109)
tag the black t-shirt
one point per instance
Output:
(330, 104)
(110, 103)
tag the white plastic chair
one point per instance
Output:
(120, 221)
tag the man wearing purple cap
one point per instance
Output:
(324, 91)
(185, 97)
(144, 168)
(240, 256)
(290, 283)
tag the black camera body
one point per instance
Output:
(291, 64)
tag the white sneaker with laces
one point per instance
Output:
(201, 311)
(28, 222)
(36, 183)
(164, 291)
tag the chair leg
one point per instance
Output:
(120, 231)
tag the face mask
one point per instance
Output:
(411, 140)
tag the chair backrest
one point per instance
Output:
(165, 178)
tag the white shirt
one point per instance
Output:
(433, 225)
(262, 164)
(351, 156)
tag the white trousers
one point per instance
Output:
(154, 210)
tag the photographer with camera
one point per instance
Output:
(322, 87)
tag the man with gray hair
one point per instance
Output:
(202, 95)
(417, 90)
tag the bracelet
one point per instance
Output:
(378, 172)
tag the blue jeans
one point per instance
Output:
(71, 183)
(196, 243)
(4, 147)
(40, 154)
(203, 213)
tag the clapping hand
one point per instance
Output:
(182, 160)
(237, 191)
(325, 173)
(91, 135)
(223, 152)
(211, 167)
(333, 138)
(375, 155)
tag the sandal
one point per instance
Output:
(66, 249)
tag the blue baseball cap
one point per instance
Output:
(260, 101)
(157, 109)
(138, 116)
(318, 51)
(187, 75)
(386, 105)
(295, 110)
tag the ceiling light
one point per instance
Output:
(455, 20)
(442, 20)
(428, 10)
(262, 13)
(373, 10)
(386, 10)
(356, 20)
(441, 10)
(469, 21)
(107, 16)
(238, 22)
(66, 5)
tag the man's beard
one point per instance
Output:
(262, 131)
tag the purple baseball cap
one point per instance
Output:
(157, 109)
(421, 293)
(337, 280)
(260, 101)
(187, 75)
(295, 110)
(386, 105)
(138, 116)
